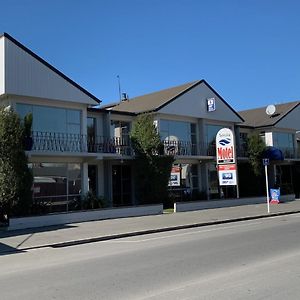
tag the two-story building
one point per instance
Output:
(80, 147)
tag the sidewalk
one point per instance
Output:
(79, 233)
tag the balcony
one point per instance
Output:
(77, 143)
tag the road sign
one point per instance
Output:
(266, 161)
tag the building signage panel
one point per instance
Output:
(211, 104)
(227, 174)
(175, 176)
(225, 146)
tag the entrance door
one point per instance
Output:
(121, 179)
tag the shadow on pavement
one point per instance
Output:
(6, 233)
(7, 250)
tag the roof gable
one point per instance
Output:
(162, 100)
(258, 118)
(27, 74)
(152, 101)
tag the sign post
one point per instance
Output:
(266, 162)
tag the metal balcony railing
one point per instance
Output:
(66, 142)
(58, 142)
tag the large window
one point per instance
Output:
(211, 132)
(182, 131)
(56, 185)
(283, 140)
(52, 119)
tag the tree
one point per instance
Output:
(152, 167)
(256, 147)
(15, 176)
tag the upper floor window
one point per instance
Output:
(91, 128)
(120, 129)
(211, 132)
(283, 140)
(182, 131)
(52, 119)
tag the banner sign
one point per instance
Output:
(175, 176)
(227, 174)
(275, 194)
(225, 146)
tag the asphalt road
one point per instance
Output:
(257, 259)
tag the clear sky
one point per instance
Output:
(248, 50)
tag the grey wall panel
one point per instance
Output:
(291, 121)
(194, 104)
(27, 76)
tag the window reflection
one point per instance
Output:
(56, 184)
(52, 119)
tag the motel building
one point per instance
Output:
(80, 146)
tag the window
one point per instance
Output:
(52, 119)
(91, 128)
(211, 132)
(182, 131)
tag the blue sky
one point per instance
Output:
(248, 50)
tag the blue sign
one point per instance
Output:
(266, 161)
(211, 104)
(274, 195)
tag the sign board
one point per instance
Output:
(225, 146)
(227, 174)
(266, 161)
(175, 176)
(211, 104)
(274, 195)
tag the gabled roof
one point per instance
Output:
(155, 101)
(35, 56)
(258, 118)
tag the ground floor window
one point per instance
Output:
(183, 182)
(56, 186)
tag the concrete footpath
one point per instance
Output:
(87, 232)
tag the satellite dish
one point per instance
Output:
(270, 110)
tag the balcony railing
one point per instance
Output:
(66, 142)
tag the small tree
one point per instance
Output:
(152, 168)
(15, 176)
(256, 147)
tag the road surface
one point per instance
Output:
(257, 259)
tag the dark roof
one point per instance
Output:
(155, 101)
(258, 118)
(49, 66)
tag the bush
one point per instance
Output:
(15, 177)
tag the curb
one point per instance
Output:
(158, 230)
